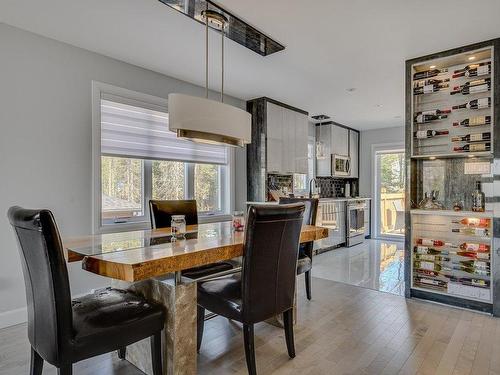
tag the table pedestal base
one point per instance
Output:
(179, 334)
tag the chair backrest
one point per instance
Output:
(161, 212)
(50, 323)
(270, 260)
(311, 208)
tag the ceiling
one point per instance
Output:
(331, 45)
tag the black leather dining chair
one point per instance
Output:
(304, 265)
(266, 285)
(62, 331)
(161, 212)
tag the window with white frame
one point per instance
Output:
(140, 159)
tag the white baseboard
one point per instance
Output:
(13, 317)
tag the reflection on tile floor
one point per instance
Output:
(374, 264)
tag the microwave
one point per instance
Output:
(341, 165)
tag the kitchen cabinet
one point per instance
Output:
(286, 140)
(279, 144)
(331, 215)
(353, 153)
(340, 140)
(275, 149)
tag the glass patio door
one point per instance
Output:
(390, 193)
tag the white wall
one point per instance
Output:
(369, 138)
(45, 142)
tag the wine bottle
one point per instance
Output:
(473, 137)
(426, 272)
(422, 134)
(430, 257)
(473, 87)
(426, 265)
(472, 231)
(478, 198)
(473, 147)
(474, 121)
(474, 222)
(474, 70)
(478, 247)
(434, 112)
(427, 82)
(429, 73)
(475, 104)
(428, 89)
(429, 242)
(423, 119)
(431, 282)
(468, 254)
(477, 264)
(426, 250)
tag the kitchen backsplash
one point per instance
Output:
(335, 187)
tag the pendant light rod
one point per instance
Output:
(222, 66)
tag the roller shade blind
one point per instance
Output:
(133, 129)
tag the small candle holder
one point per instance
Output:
(238, 221)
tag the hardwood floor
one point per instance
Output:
(343, 330)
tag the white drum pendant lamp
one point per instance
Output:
(205, 120)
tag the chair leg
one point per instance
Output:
(288, 323)
(122, 352)
(308, 284)
(156, 357)
(248, 337)
(65, 370)
(200, 326)
(36, 365)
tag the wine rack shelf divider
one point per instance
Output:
(452, 254)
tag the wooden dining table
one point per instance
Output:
(148, 262)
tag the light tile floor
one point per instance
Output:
(374, 264)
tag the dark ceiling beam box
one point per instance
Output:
(236, 30)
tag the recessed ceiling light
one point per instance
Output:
(379, 105)
(432, 66)
(351, 89)
(472, 58)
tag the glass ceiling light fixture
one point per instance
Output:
(320, 145)
(202, 119)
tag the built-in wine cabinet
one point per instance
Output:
(452, 147)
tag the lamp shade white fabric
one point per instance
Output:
(208, 121)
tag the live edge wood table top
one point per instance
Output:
(138, 255)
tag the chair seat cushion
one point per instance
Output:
(111, 318)
(207, 270)
(303, 265)
(222, 296)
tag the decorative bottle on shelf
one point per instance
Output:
(474, 147)
(478, 199)
(429, 73)
(426, 250)
(471, 231)
(426, 265)
(422, 134)
(475, 104)
(473, 87)
(433, 112)
(474, 222)
(472, 137)
(474, 121)
(427, 89)
(424, 119)
(477, 247)
(430, 242)
(473, 70)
